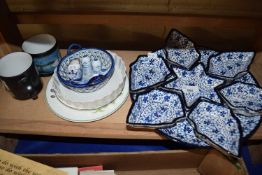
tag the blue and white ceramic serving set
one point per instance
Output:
(196, 96)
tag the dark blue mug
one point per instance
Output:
(45, 52)
(19, 75)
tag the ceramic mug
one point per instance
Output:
(45, 52)
(20, 76)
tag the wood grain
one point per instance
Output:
(201, 7)
(34, 116)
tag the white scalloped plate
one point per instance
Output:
(74, 115)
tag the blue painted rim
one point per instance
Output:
(93, 81)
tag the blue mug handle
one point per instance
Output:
(73, 47)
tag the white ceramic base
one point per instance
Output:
(74, 115)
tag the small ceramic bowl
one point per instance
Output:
(147, 72)
(86, 70)
(245, 99)
(228, 65)
(155, 109)
(195, 84)
(184, 133)
(180, 51)
(217, 125)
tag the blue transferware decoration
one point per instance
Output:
(217, 125)
(180, 50)
(183, 132)
(195, 84)
(86, 70)
(248, 123)
(229, 64)
(147, 72)
(155, 109)
(245, 99)
(247, 78)
(161, 53)
(205, 55)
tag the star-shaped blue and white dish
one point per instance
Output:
(182, 132)
(243, 98)
(217, 125)
(205, 55)
(148, 72)
(180, 51)
(248, 124)
(228, 65)
(155, 108)
(195, 84)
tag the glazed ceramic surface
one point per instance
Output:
(247, 78)
(205, 55)
(45, 52)
(183, 132)
(86, 70)
(245, 96)
(147, 71)
(155, 108)
(180, 50)
(74, 115)
(195, 84)
(161, 53)
(218, 125)
(98, 98)
(248, 123)
(230, 64)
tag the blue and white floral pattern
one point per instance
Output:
(160, 53)
(229, 64)
(155, 108)
(205, 55)
(248, 123)
(241, 95)
(182, 131)
(182, 57)
(247, 78)
(180, 50)
(195, 84)
(86, 70)
(217, 124)
(148, 71)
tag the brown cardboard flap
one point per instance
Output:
(11, 164)
(216, 163)
(132, 161)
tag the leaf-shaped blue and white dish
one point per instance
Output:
(243, 98)
(155, 108)
(249, 124)
(247, 78)
(195, 84)
(228, 65)
(180, 51)
(205, 55)
(86, 70)
(217, 125)
(148, 72)
(182, 132)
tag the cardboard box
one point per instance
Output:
(181, 162)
